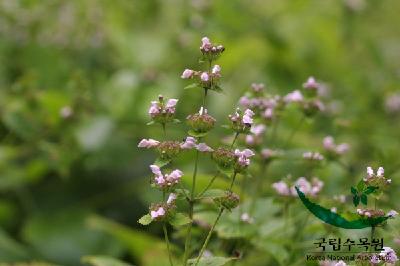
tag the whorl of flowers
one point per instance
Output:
(241, 122)
(376, 179)
(242, 159)
(387, 255)
(165, 180)
(201, 122)
(162, 111)
(256, 136)
(313, 156)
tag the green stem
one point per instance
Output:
(233, 181)
(167, 241)
(234, 139)
(208, 186)
(203, 248)
(164, 130)
(191, 205)
(294, 131)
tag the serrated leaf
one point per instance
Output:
(211, 261)
(197, 135)
(103, 261)
(145, 220)
(370, 189)
(213, 193)
(150, 123)
(356, 200)
(353, 191)
(179, 219)
(160, 162)
(192, 86)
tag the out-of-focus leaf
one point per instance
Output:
(94, 133)
(192, 86)
(160, 162)
(103, 261)
(197, 135)
(179, 219)
(145, 220)
(211, 261)
(11, 250)
(213, 193)
(364, 199)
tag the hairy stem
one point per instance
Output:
(233, 181)
(203, 248)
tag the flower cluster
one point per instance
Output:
(162, 111)
(201, 122)
(242, 159)
(387, 255)
(241, 122)
(377, 179)
(333, 150)
(312, 188)
(313, 156)
(167, 180)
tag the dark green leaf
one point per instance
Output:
(353, 191)
(335, 219)
(370, 189)
(361, 185)
(356, 200)
(364, 199)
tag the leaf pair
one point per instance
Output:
(178, 219)
(361, 192)
(214, 87)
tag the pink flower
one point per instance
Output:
(342, 148)
(247, 117)
(268, 113)
(258, 130)
(243, 156)
(257, 87)
(245, 217)
(329, 143)
(173, 177)
(187, 74)
(155, 170)
(216, 70)
(370, 171)
(158, 213)
(294, 97)
(316, 156)
(171, 198)
(389, 255)
(148, 143)
(204, 148)
(250, 140)
(154, 109)
(204, 77)
(189, 143)
(281, 188)
(171, 103)
(244, 101)
(380, 172)
(311, 84)
(206, 45)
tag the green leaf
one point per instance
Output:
(353, 191)
(356, 200)
(176, 121)
(160, 162)
(335, 219)
(103, 261)
(192, 86)
(364, 199)
(211, 261)
(213, 193)
(150, 123)
(361, 185)
(145, 220)
(179, 219)
(226, 171)
(370, 189)
(197, 135)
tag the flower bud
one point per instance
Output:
(310, 108)
(201, 122)
(229, 201)
(224, 158)
(311, 87)
(161, 211)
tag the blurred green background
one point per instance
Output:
(76, 79)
